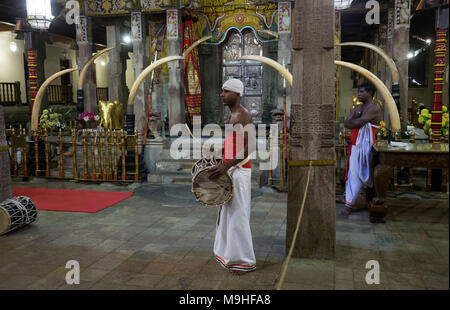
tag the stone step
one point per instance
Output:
(175, 165)
(161, 177)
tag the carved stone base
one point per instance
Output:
(377, 212)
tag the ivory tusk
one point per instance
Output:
(277, 66)
(40, 94)
(86, 66)
(387, 97)
(390, 62)
(190, 48)
(269, 32)
(189, 130)
(146, 72)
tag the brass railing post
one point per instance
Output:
(115, 154)
(99, 154)
(61, 171)
(136, 158)
(47, 155)
(74, 155)
(109, 142)
(93, 172)
(85, 164)
(104, 155)
(124, 174)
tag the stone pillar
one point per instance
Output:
(116, 69)
(400, 48)
(284, 54)
(312, 131)
(176, 109)
(140, 62)
(211, 75)
(84, 55)
(5, 169)
(270, 77)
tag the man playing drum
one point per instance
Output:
(233, 246)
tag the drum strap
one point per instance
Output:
(20, 207)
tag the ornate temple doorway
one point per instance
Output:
(249, 72)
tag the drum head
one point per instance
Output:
(5, 221)
(212, 192)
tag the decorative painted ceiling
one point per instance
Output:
(215, 17)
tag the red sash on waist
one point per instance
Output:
(231, 142)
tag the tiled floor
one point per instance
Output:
(160, 238)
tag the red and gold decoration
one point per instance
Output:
(32, 75)
(191, 73)
(438, 84)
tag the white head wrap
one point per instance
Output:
(234, 85)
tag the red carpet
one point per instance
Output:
(71, 200)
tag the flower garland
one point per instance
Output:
(88, 116)
(425, 120)
(52, 120)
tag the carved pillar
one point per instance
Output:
(116, 69)
(284, 52)
(140, 62)
(312, 131)
(176, 103)
(84, 41)
(210, 66)
(400, 47)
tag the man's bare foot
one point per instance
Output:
(345, 211)
(340, 199)
(237, 272)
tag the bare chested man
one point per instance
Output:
(366, 115)
(233, 246)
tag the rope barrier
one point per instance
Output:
(286, 263)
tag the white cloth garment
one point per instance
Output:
(233, 245)
(360, 170)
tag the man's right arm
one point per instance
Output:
(368, 115)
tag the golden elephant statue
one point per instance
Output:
(111, 114)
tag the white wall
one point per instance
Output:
(346, 92)
(130, 71)
(54, 53)
(12, 63)
(101, 71)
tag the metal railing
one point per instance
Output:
(103, 152)
(10, 93)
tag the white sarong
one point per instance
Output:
(360, 170)
(233, 245)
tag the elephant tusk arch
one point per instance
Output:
(390, 62)
(387, 97)
(190, 48)
(86, 66)
(146, 72)
(277, 66)
(40, 94)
